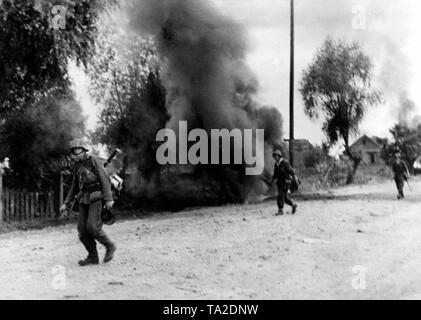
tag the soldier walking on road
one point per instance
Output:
(91, 187)
(401, 174)
(284, 175)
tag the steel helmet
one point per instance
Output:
(79, 143)
(278, 153)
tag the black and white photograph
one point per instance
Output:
(210, 150)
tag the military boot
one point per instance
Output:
(92, 259)
(110, 247)
(109, 254)
(280, 213)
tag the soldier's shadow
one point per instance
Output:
(357, 196)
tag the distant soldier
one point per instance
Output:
(91, 187)
(401, 174)
(284, 175)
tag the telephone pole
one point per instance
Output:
(291, 91)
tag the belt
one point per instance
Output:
(92, 187)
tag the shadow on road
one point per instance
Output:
(355, 196)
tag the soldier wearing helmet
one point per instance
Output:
(91, 187)
(400, 173)
(283, 175)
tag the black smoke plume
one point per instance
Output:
(208, 84)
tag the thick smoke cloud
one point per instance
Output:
(204, 68)
(395, 77)
(205, 75)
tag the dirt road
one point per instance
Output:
(237, 252)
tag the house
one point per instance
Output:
(301, 148)
(369, 149)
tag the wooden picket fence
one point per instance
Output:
(27, 206)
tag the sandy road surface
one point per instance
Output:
(237, 252)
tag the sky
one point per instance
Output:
(387, 30)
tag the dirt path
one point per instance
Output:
(237, 252)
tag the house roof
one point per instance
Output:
(366, 139)
(380, 141)
(301, 142)
(300, 145)
(373, 140)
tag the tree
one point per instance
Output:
(337, 87)
(126, 81)
(34, 56)
(315, 157)
(37, 108)
(38, 139)
(407, 141)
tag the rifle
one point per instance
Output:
(111, 157)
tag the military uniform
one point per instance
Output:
(92, 187)
(400, 171)
(284, 174)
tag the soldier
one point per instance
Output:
(284, 175)
(91, 187)
(401, 174)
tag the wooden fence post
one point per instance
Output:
(61, 190)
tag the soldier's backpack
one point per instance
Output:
(107, 216)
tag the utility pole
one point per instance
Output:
(291, 91)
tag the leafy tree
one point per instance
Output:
(337, 87)
(407, 141)
(126, 81)
(34, 56)
(37, 108)
(40, 137)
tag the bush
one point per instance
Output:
(315, 157)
